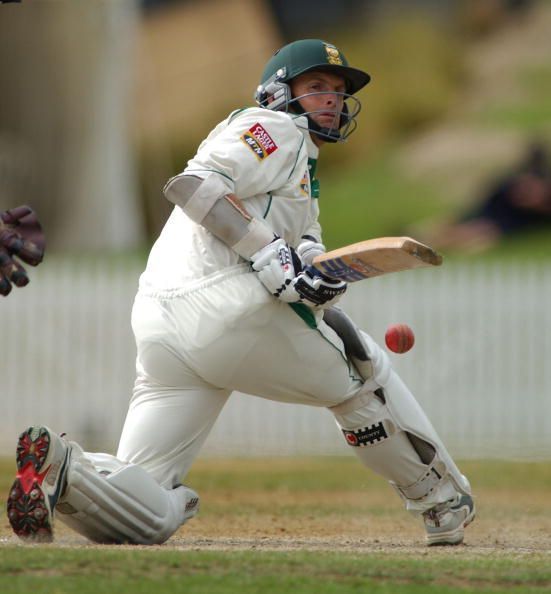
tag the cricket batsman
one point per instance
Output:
(228, 303)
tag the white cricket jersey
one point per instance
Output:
(262, 157)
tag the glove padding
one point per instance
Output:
(277, 265)
(280, 271)
(318, 290)
(20, 235)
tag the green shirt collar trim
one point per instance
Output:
(314, 182)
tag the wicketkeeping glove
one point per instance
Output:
(280, 271)
(20, 235)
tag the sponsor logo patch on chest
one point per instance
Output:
(259, 141)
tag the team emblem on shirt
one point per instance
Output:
(305, 184)
(259, 141)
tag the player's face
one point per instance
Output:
(321, 95)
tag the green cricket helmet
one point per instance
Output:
(307, 55)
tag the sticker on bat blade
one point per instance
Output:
(352, 270)
(363, 267)
(337, 268)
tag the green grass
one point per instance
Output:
(529, 110)
(378, 199)
(369, 194)
(529, 118)
(528, 246)
(156, 571)
(373, 200)
(343, 474)
(372, 196)
(230, 487)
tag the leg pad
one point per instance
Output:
(127, 506)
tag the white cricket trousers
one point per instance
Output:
(195, 347)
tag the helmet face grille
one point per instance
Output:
(344, 122)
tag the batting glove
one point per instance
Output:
(280, 271)
(308, 249)
(277, 265)
(317, 290)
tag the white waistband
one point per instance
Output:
(195, 285)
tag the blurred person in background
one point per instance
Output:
(228, 302)
(517, 202)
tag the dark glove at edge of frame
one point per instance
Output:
(21, 235)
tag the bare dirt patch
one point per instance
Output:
(369, 522)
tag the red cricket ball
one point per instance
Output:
(399, 338)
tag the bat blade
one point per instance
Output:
(376, 257)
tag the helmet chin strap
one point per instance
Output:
(327, 134)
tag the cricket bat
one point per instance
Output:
(375, 257)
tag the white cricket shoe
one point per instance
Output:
(42, 460)
(445, 523)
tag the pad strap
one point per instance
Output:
(426, 483)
